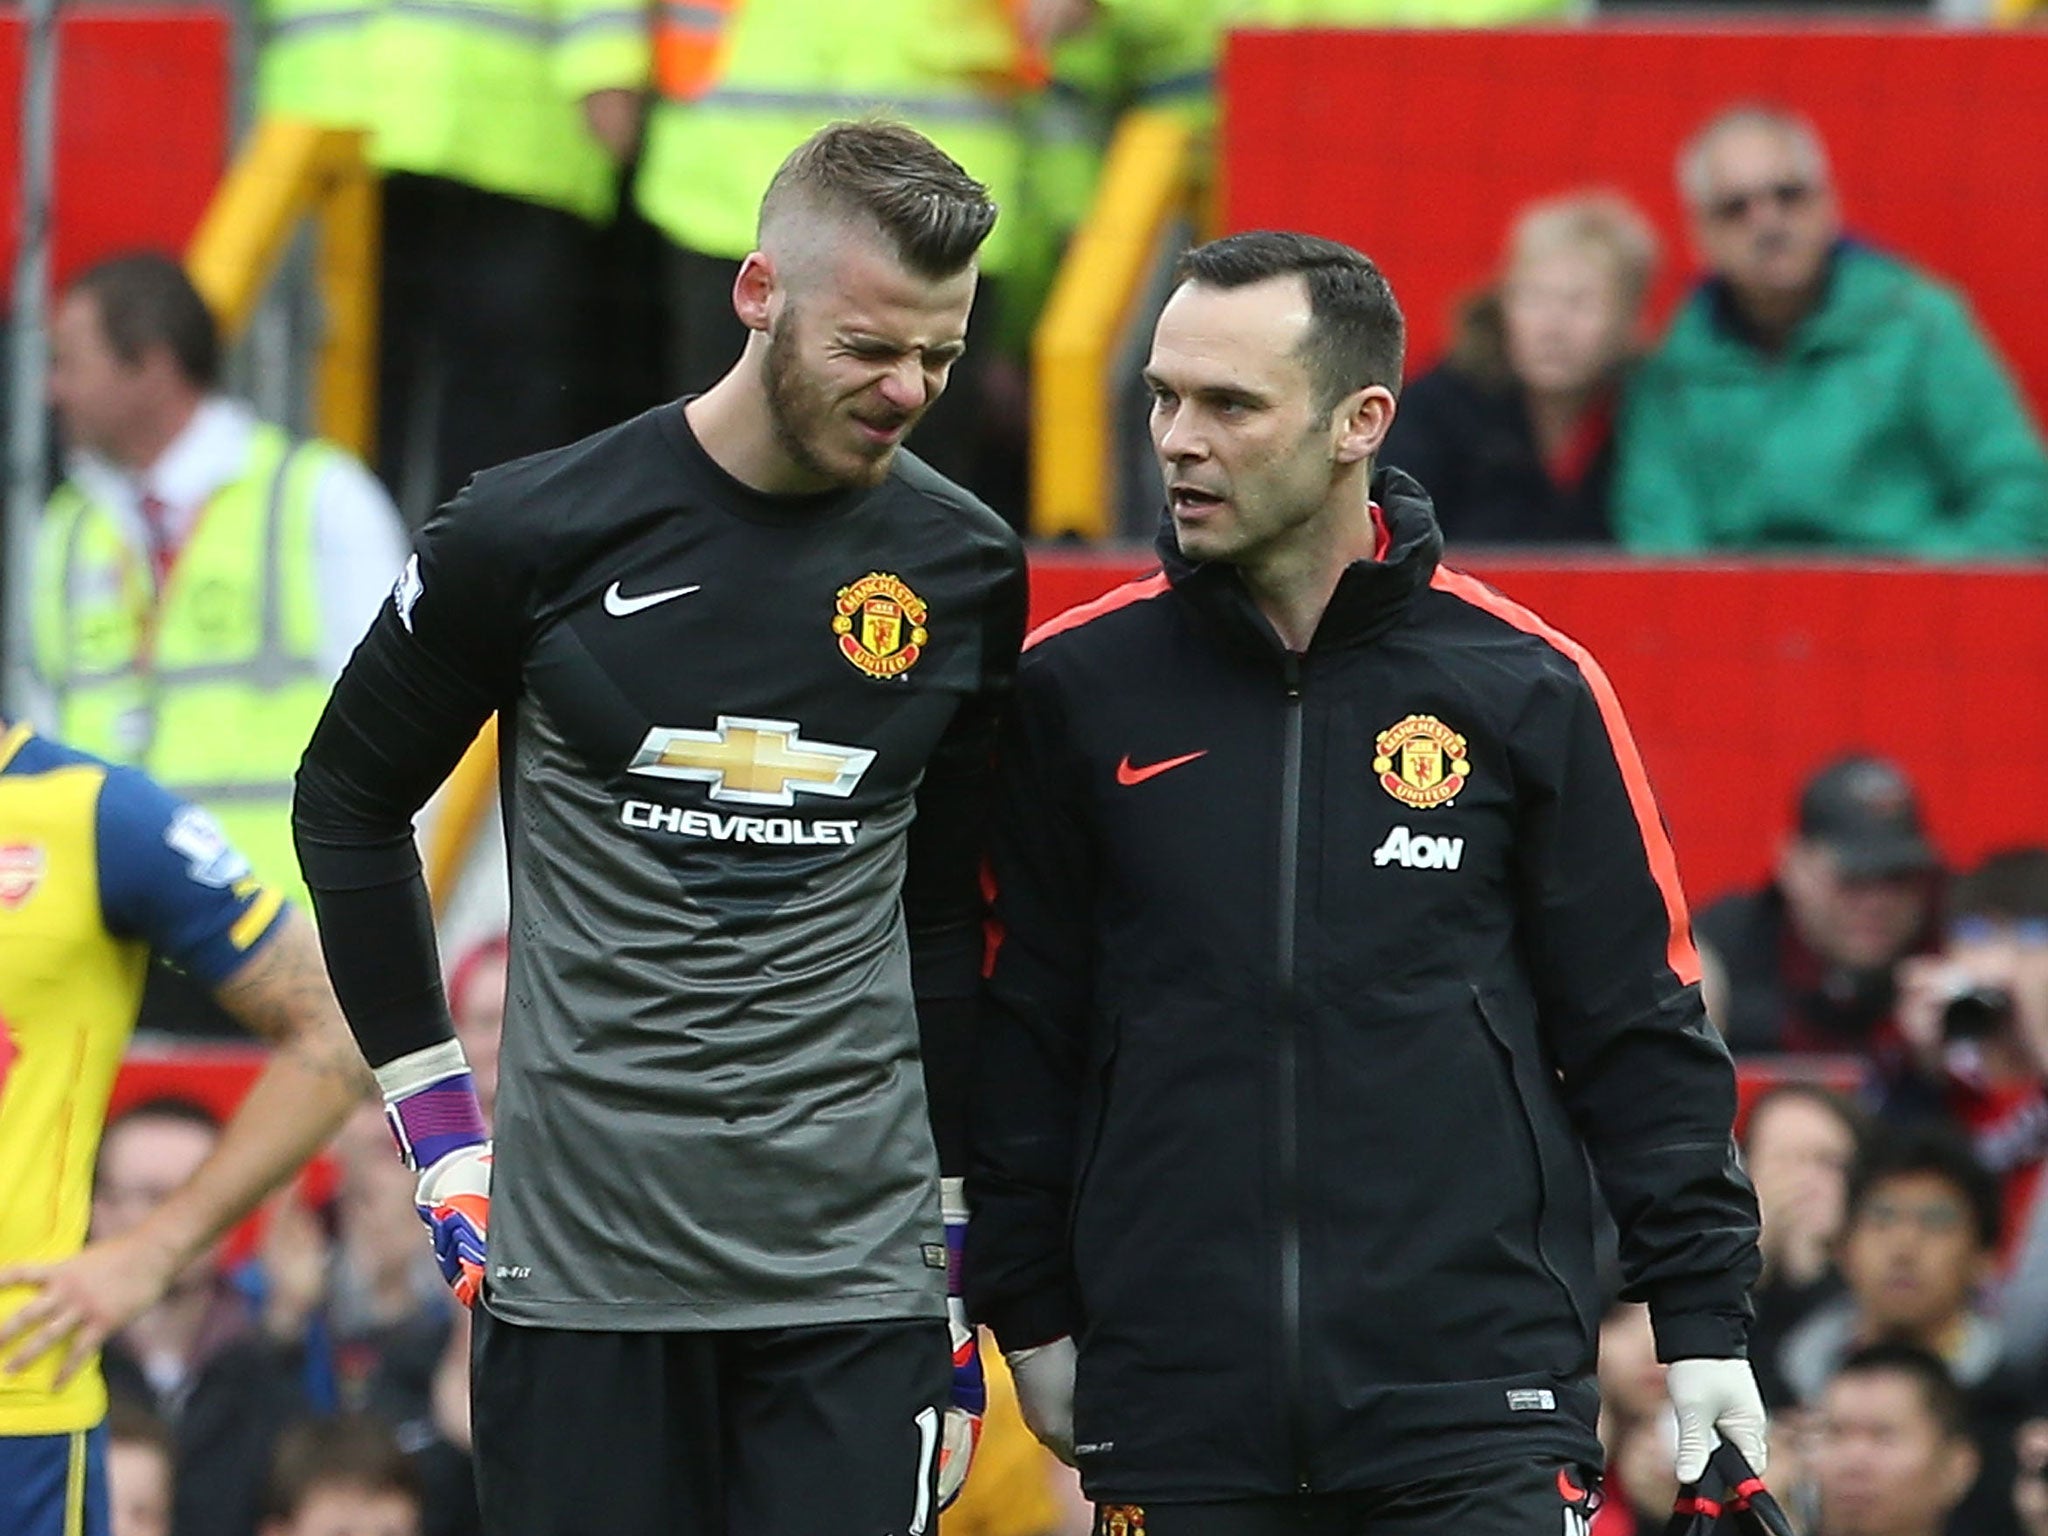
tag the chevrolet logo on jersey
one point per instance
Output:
(752, 762)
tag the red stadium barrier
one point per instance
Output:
(1741, 678)
(216, 1076)
(1419, 146)
(213, 1075)
(142, 128)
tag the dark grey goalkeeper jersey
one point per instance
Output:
(720, 713)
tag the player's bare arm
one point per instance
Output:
(314, 1077)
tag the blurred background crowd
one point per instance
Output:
(1717, 361)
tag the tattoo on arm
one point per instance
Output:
(283, 995)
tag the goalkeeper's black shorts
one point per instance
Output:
(1523, 1497)
(821, 1431)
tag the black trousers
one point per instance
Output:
(490, 335)
(820, 1431)
(1514, 1498)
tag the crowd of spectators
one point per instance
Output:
(1893, 1018)
(1812, 391)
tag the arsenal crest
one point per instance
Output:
(21, 871)
(880, 625)
(1120, 1520)
(1421, 762)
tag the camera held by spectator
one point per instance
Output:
(1988, 988)
(1975, 1022)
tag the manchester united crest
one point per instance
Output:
(1120, 1520)
(1421, 762)
(880, 625)
(21, 871)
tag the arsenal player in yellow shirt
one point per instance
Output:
(99, 869)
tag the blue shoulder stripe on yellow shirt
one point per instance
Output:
(167, 875)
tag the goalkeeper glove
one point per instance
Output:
(431, 1106)
(970, 1388)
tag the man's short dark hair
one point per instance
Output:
(1925, 1369)
(2010, 886)
(145, 300)
(165, 1106)
(931, 211)
(1833, 1100)
(1929, 1148)
(354, 1451)
(1356, 336)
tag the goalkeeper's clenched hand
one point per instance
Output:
(431, 1106)
(970, 1388)
(454, 1200)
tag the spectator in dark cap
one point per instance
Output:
(1809, 963)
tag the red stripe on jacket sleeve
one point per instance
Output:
(1681, 954)
(1135, 591)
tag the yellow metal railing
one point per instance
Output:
(466, 801)
(287, 172)
(1149, 179)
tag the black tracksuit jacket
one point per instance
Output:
(1297, 1053)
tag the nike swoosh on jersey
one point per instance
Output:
(618, 605)
(1127, 775)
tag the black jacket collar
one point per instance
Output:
(1371, 595)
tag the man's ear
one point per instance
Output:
(1796, 860)
(1363, 419)
(158, 364)
(754, 291)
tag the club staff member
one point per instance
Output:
(1339, 934)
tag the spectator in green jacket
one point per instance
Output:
(1814, 391)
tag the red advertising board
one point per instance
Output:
(142, 128)
(1419, 147)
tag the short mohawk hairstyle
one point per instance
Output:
(933, 213)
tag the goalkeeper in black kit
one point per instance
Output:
(747, 657)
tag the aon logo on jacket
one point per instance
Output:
(1419, 850)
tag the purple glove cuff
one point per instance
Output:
(956, 1240)
(441, 1118)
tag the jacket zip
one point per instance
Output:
(1290, 1076)
(1527, 1116)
